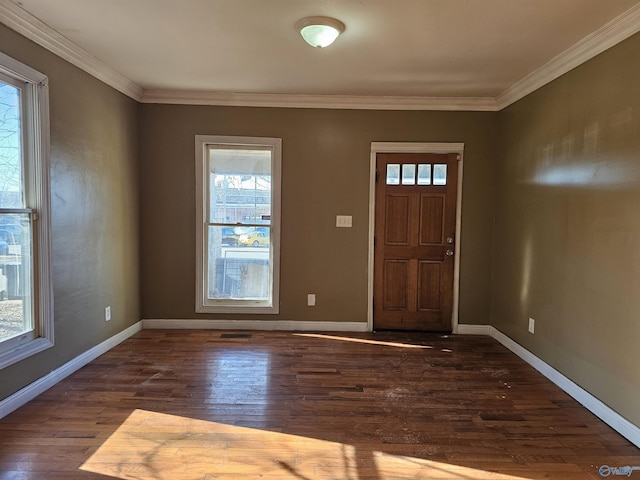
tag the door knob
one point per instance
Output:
(449, 239)
(449, 253)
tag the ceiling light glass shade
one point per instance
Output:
(320, 31)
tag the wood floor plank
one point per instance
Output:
(194, 405)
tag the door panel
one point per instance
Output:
(429, 285)
(397, 219)
(415, 222)
(431, 219)
(396, 273)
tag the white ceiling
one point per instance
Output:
(418, 48)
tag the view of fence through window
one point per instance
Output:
(239, 234)
(15, 226)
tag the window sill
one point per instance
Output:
(23, 351)
(244, 309)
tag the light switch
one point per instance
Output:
(343, 221)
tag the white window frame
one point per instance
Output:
(35, 140)
(204, 304)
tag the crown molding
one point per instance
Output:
(614, 32)
(597, 42)
(355, 102)
(29, 26)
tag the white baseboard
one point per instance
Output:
(31, 391)
(620, 424)
(465, 329)
(285, 325)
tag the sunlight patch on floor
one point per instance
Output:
(363, 340)
(156, 446)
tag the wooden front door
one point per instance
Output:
(415, 225)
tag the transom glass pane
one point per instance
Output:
(408, 174)
(440, 174)
(424, 174)
(393, 174)
(11, 190)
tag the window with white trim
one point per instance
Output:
(238, 224)
(26, 313)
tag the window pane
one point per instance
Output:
(440, 174)
(408, 174)
(240, 186)
(11, 194)
(424, 174)
(239, 263)
(393, 174)
(16, 316)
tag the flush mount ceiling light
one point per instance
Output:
(320, 32)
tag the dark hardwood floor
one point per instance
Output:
(195, 405)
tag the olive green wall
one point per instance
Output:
(567, 231)
(561, 242)
(326, 157)
(94, 210)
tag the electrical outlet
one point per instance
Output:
(344, 221)
(107, 314)
(311, 300)
(532, 325)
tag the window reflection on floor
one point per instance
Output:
(239, 378)
(156, 446)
